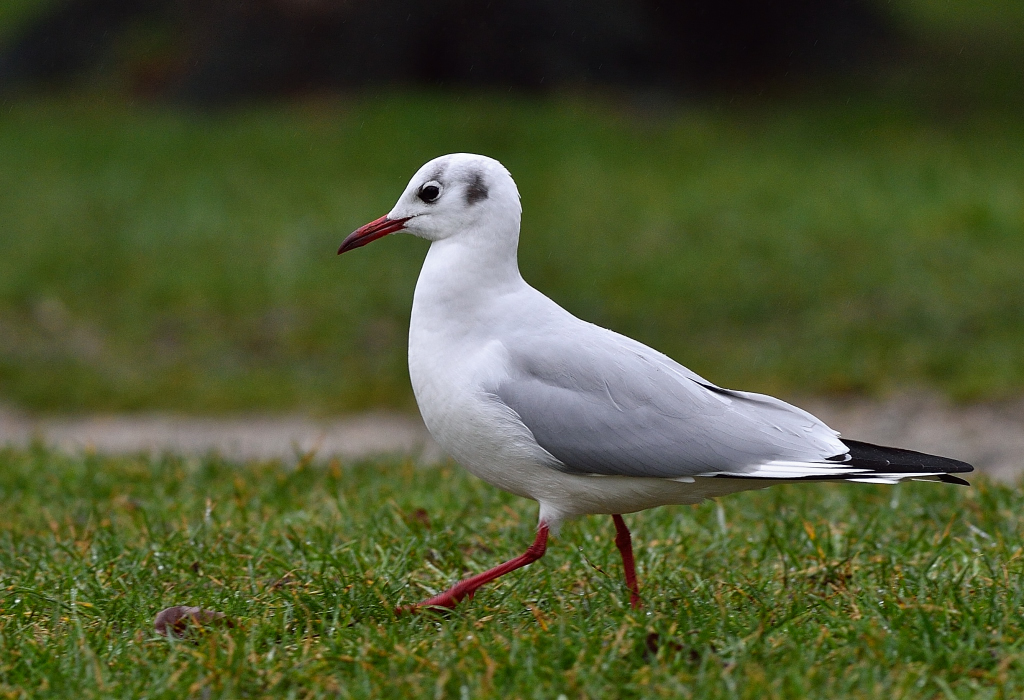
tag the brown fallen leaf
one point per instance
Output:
(176, 620)
(654, 641)
(420, 516)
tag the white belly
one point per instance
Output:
(472, 427)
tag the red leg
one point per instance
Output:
(467, 587)
(625, 544)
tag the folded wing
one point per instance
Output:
(612, 406)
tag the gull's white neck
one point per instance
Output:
(463, 274)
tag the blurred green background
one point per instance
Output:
(861, 235)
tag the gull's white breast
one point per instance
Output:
(449, 370)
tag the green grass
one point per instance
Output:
(823, 591)
(14, 13)
(175, 261)
(991, 19)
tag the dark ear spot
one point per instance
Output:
(477, 190)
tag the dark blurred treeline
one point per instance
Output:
(222, 51)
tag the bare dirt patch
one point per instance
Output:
(258, 437)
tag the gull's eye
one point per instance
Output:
(430, 192)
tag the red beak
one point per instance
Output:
(371, 232)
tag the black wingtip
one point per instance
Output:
(896, 459)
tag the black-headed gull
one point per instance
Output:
(579, 418)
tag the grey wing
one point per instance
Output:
(609, 405)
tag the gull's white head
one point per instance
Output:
(456, 194)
